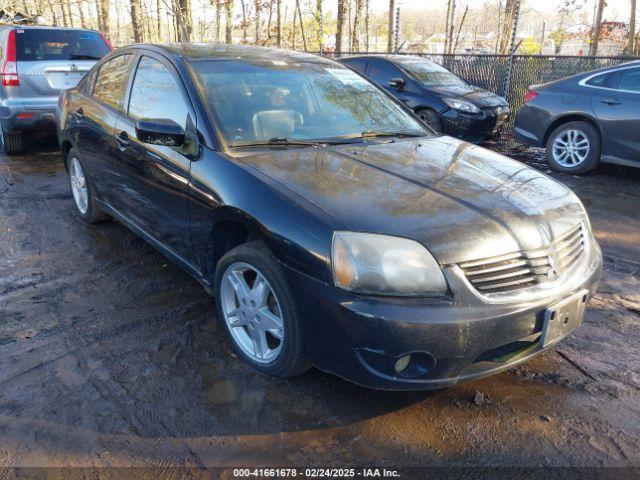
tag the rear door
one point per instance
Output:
(153, 192)
(50, 60)
(92, 118)
(615, 99)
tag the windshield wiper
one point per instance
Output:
(74, 56)
(378, 133)
(290, 142)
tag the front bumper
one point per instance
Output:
(451, 340)
(474, 128)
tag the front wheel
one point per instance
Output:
(574, 148)
(430, 118)
(258, 310)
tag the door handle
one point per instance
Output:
(611, 101)
(123, 140)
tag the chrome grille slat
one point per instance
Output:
(514, 271)
(517, 273)
(515, 264)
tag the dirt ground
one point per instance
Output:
(110, 356)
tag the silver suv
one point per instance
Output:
(38, 62)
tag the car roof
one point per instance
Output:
(217, 51)
(8, 26)
(390, 57)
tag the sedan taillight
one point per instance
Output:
(530, 95)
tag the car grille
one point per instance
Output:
(519, 270)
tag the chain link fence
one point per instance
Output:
(490, 72)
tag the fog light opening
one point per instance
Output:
(402, 363)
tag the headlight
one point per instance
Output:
(384, 265)
(461, 105)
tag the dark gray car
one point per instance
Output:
(585, 119)
(37, 63)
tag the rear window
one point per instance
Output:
(47, 44)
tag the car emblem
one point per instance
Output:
(74, 67)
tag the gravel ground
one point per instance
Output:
(110, 356)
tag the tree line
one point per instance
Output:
(297, 24)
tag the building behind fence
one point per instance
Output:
(490, 71)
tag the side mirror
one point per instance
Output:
(160, 131)
(397, 83)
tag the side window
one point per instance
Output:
(155, 94)
(381, 72)
(358, 64)
(606, 80)
(630, 80)
(111, 81)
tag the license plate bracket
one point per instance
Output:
(563, 317)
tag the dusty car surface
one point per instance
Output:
(333, 227)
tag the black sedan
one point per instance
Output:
(332, 227)
(584, 119)
(441, 99)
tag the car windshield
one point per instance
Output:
(431, 74)
(263, 100)
(49, 44)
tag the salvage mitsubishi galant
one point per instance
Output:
(333, 228)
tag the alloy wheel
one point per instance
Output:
(571, 148)
(252, 312)
(79, 185)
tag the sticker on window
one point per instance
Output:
(347, 76)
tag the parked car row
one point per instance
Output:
(580, 120)
(333, 227)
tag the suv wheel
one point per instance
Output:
(258, 310)
(573, 148)
(86, 204)
(12, 143)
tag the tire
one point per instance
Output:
(290, 357)
(430, 118)
(12, 143)
(86, 205)
(582, 157)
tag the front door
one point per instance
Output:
(153, 192)
(618, 110)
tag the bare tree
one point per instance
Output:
(257, 7)
(218, 19)
(597, 26)
(136, 21)
(319, 19)
(355, 38)
(159, 23)
(464, 17)
(366, 25)
(392, 8)
(103, 13)
(632, 29)
(279, 23)
(506, 29)
(245, 24)
(340, 25)
(228, 30)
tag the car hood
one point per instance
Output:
(461, 201)
(478, 96)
